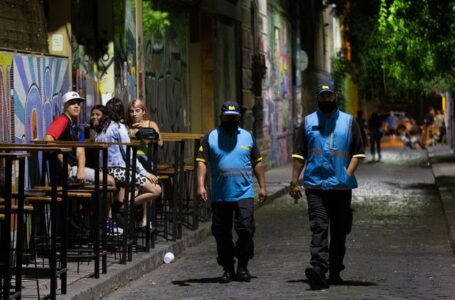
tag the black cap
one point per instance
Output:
(231, 108)
(326, 86)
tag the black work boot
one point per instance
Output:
(335, 278)
(243, 274)
(228, 275)
(316, 277)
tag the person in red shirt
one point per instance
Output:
(66, 128)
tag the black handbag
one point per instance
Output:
(147, 133)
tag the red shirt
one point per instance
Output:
(58, 126)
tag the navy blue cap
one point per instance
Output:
(326, 86)
(231, 108)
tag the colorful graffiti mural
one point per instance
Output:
(6, 117)
(278, 96)
(166, 73)
(126, 55)
(38, 84)
(85, 80)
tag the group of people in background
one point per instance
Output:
(108, 124)
(431, 132)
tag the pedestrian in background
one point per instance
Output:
(375, 132)
(428, 126)
(232, 156)
(329, 146)
(362, 126)
(391, 125)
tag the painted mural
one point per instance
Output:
(126, 55)
(85, 80)
(278, 96)
(6, 117)
(39, 83)
(166, 73)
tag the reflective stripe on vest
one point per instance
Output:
(328, 155)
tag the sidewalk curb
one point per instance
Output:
(118, 275)
(448, 204)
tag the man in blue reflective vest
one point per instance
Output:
(329, 146)
(232, 156)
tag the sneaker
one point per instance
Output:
(316, 277)
(335, 279)
(113, 229)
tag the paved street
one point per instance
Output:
(398, 248)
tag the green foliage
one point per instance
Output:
(154, 20)
(399, 47)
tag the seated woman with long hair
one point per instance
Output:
(114, 131)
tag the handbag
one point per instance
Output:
(147, 133)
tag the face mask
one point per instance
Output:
(327, 106)
(230, 125)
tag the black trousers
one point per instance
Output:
(241, 215)
(329, 209)
(375, 145)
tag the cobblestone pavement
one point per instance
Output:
(398, 248)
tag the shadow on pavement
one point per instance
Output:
(344, 283)
(187, 282)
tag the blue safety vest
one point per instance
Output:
(328, 140)
(231, 167)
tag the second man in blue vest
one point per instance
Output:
(329, 146)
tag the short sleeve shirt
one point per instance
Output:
(231, 157)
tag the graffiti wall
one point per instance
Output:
(6, 117)
(278, 96)
(39, 83)
(125, 83)
(166, 72)
(85, 81)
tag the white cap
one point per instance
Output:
(71, 96)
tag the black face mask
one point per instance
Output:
(327, 106)
(230, 125)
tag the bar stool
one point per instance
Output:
(7, 210)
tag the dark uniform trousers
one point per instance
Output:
(241, 215)
(329, 208)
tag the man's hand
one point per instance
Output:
(80, 176)
(202, 193)
(262, 195)
(295, 191)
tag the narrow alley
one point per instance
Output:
(398, 248)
